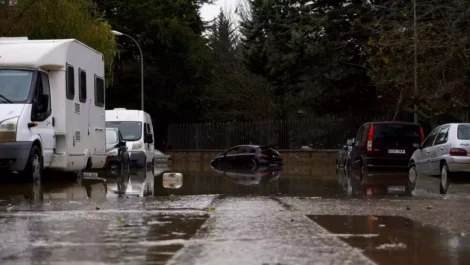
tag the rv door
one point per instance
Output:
(41, 116)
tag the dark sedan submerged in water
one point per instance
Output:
(248, 156)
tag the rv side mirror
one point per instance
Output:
(148, 139)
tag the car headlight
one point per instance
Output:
(137, 146)
(8, 130)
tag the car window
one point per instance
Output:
(428, 142)
(463, 132)
(242, 150)
(396, 132)
(359, 136)
(232, 151)
(268, 151)
(442, 135)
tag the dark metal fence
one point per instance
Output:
(324, 132)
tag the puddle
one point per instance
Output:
(204, 180)
(391, 240)
(138, 183)
(95, 188)
(134, 239)
(241, 181)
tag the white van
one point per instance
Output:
(52, 106)
(137, 130)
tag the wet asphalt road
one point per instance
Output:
(233, 217)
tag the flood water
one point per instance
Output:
(150, 215)
(263, 181)
(391, 240)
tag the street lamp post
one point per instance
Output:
(117, 33)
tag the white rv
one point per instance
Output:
(137, 130)
(52, 106)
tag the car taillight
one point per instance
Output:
(458, 152)
(369, 139)
(421, 132)
(280, 156)
(262, 156)
(106, 162)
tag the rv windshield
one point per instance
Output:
(15, 85)
(130, 130)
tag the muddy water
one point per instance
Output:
(61, 238)
(313, 182)
(398, 240)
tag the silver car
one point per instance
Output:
(444, 152)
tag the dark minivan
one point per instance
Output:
(385, 147)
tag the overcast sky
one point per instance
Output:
(208, 12)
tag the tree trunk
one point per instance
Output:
(399, 103)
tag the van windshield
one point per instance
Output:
(111, 137)
(15, 85)
(130, 130)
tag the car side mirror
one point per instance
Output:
(148, 139)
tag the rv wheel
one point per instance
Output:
(34, 167)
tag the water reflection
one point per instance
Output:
(179, 180)
(262, 181)
(248, 177)
(139, 183)
(397, 240)
(70, 190)
(376, 185)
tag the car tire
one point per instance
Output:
(444, 179)
(412, 178)
(34, 168)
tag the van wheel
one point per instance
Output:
(34, 167)
(444, 183)
(412, 178)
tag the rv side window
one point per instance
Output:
(99, 91)
(70, 86)
(82, 86)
